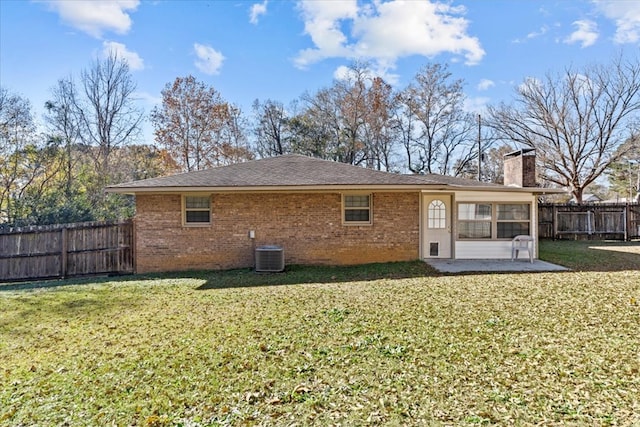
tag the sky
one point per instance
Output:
(280, 49)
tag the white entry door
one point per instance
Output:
(437, 226)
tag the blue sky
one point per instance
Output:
(279, 49)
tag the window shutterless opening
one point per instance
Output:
(493, 221)
(356, 209)
(196, 210)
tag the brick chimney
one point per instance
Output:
(520, 168)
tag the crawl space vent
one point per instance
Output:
(269, 259)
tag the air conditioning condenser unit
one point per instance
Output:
(269, 259)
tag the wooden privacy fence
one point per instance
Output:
(591, 221)
(66, 250)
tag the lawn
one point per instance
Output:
(387, 344)
(585, 255)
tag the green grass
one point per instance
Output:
(583, 255)
(385, 344)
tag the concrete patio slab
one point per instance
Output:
(491, 265)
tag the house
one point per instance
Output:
(587, 198)
(324, 212)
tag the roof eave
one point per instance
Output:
(325, 188)
(510, 189)
(264, 188)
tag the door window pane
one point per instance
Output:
(437, 214)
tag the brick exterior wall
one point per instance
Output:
(520, 170)
(308, 227)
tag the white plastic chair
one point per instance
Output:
(522, 243)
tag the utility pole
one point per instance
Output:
(630, 182)
(638, 183)
(479, 149)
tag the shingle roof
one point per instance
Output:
(291, 171)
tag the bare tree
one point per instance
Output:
(493, 164)
(310, 134)
(191, 122)
(379, 131)
(63, 126)
(349, 122)
(107, 114)
(91, 120)
(271, 129)
(435, 126)
(350, 98)
(624, 173)
(234, 145)
(316, 130)
(575, 120)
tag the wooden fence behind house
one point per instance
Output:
(591, 221)
(66, 250)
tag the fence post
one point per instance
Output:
(554, 221)
(627, 223)
(63, 252)
(132, 240)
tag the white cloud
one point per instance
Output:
(96, 16)
(541, 32)
(209, 60)
(257, 10)
(485, 84)
(476, 105)
(385, 31)
(344, 73)
(626, 15)
(586, 33)
(322, 24)
(133, 59)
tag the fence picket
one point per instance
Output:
(66, 250)
(590, 221)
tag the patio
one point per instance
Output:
(492, 265)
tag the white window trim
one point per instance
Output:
(184, 211)
(344, 209)
(494, 220)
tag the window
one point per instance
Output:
(486, 220)
(357, 209)
(474, 221)
(513, 219)
(197, 210)
(436, 214)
